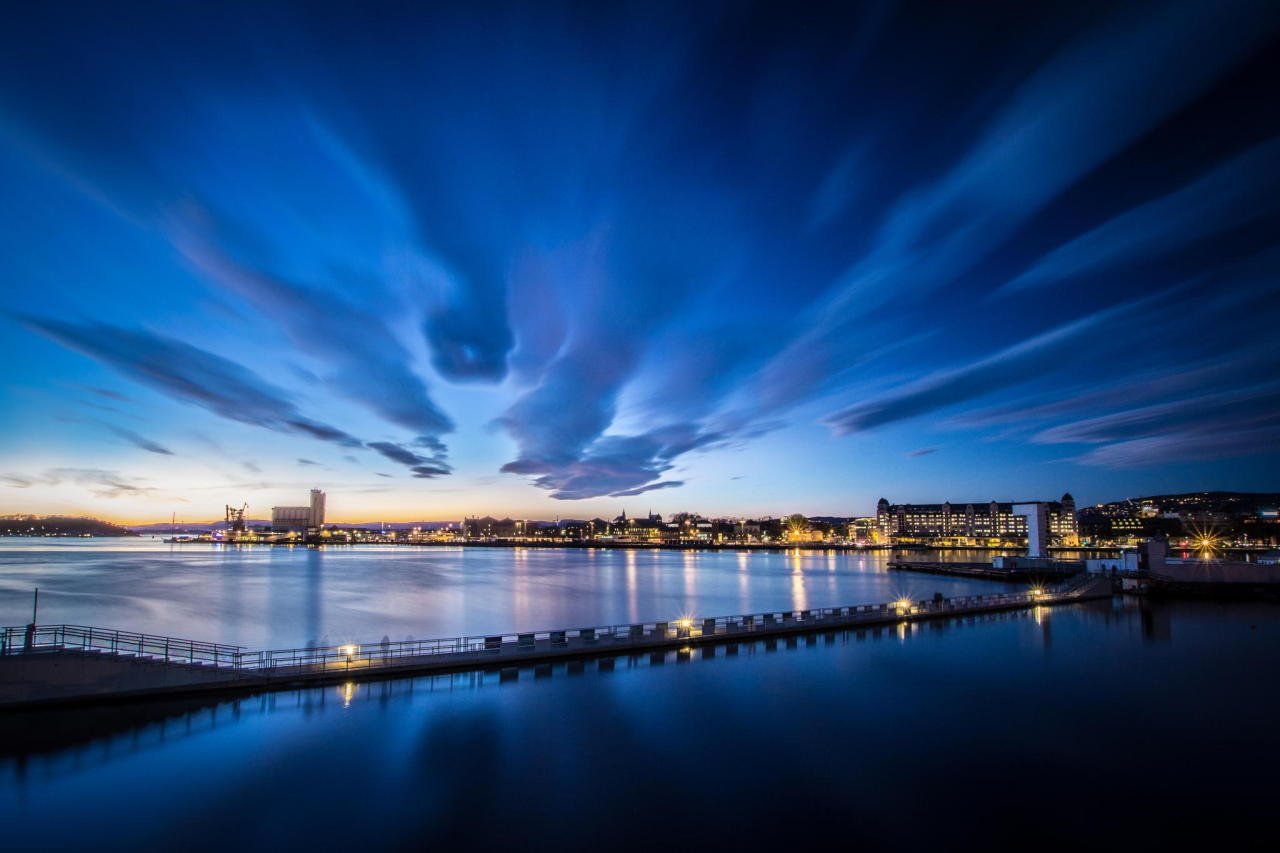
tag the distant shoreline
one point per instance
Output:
(655, 546)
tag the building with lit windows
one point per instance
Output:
(992, 523)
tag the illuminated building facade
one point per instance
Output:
(972, 523)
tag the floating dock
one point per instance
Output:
(68, 664)
(987, 571)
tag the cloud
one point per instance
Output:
(109, 394)
(1203, 410)
(302, 461)
(639, 490)
(421, 466)
(1011, 366)
(1244, 188)
(1217, 425)
(139, 441)
(223, 387)
(102, 483)
(658, 253)
(189, 374)
(923, 451)
(615, 465)
(1075, 112)
(369, 364)
(1185, 446)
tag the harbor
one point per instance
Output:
(59, 664)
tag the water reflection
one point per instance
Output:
(800, 601)
(58, 740)
(882, 729)
(293, 597)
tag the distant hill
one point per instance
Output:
(1237, 503)
(192, 526)
(58, 525)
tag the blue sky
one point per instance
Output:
(561, 260)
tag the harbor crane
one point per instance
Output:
(235, 519)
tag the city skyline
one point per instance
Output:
(549, 262)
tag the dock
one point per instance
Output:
(984, 571)
(72, 664)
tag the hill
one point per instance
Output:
(58, 525)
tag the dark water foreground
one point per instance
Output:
(1110, 724)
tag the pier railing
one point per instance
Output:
(475, 649)
(85, 638)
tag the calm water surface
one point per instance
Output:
(1112, 724)
(260, 597)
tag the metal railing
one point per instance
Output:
(477, 649)
(84, 638)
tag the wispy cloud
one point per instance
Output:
(369, 364)
(1182, 446)
(1074, 113)
(1244, 188)
(421, 466)
(616, 466)
(190, 375)
(1009, 367)
(219, 385)
(101, 483)
(140, 441)
(657, 238)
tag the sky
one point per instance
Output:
(561, 260)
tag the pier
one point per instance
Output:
(61, 664)
(987, 571)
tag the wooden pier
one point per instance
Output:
(61, 664)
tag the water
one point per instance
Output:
(1113, 723)
(262, 597)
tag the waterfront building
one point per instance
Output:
(865, 530)
(299, 519)
(992, 523)
(489, 527)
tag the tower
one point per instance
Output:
(315, 517)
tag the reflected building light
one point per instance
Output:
(799, 595)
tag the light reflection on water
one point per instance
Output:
(262, 597)
(979, 726)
